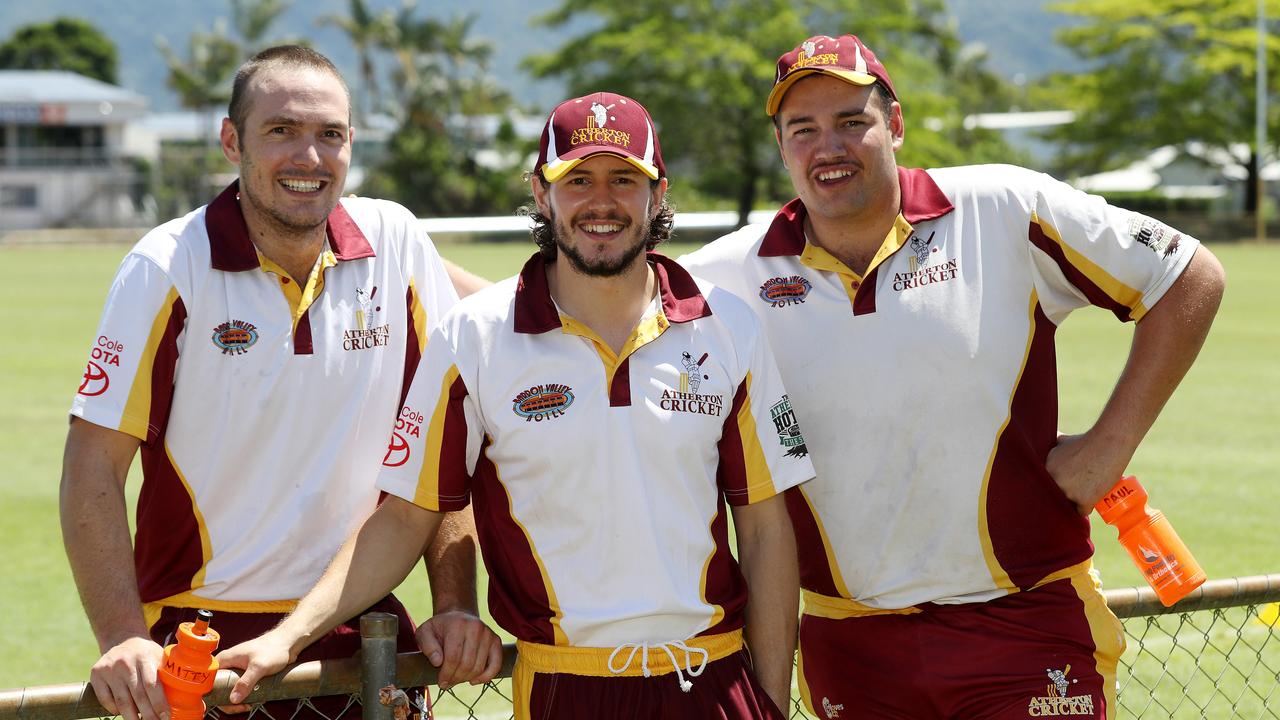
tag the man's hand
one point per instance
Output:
(124, 679)
(462, 646)
(1084, 469)
(262, 656)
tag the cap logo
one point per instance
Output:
(808, 49)
(595, 132)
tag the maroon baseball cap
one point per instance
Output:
(845, 57)
(601, 122)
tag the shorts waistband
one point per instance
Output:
(151, 610)
(596, 661)
(839, 608)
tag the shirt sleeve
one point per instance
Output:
(762, 450)
(128, 379)
(429, 297)
(437, 437)
(1087, 252)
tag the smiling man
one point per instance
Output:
(602, 409)
(945, 552)
(257, 351)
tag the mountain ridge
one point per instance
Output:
(1018, 37)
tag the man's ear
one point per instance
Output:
(541, 194)
(659, 192)
(230, 142)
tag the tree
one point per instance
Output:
(63, 44)
(367, 31)
(202, 78)
(704, 67)
(1166, 72)
(450, 111)
(253, 19)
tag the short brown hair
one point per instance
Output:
(290, 56)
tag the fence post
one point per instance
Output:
(377, 661)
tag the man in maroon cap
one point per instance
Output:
(945, 553)
(603, 407)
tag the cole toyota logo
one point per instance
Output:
(408, 425)
(788, 428)
(784, 291)
(96, 380)
(235, 337)
(543, 402)
(831, 709)
(1057, 700)
(367, 333)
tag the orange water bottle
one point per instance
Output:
(189, 669)
(1156, 549)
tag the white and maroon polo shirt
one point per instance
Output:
(928, 388)
(600, 479)
(264, 408)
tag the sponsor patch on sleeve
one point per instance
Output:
(1162, 239)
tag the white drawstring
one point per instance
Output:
(685, 685)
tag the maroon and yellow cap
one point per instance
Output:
(601, 122)
(845, 57)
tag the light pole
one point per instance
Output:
(1260, 123)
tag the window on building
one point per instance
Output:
(18, 197)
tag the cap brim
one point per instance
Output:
(849, 76)
(556, 169)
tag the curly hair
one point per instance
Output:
(544, 231)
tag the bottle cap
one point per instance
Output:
(198, 635)
(1123, 496)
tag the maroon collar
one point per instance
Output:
(231, 250)
(536, 313)
(922, 199)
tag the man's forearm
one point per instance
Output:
(370, 564)
(95, 531)
(1165, 344)
(766, 546)
(451, 564)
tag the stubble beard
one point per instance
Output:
(280, 222)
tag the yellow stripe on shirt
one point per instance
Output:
(759, 480)
(137, 408)
(427, 494)
(998, 574)
(418, 316)
(1109, 284)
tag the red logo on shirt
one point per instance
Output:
(95, 382)
(105, 352)
(408, 425)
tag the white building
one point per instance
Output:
(62, 157)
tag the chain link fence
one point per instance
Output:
(1215, 655)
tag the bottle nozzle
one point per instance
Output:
(202, 622)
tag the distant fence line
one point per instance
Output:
(1214, 655)
(689, 227)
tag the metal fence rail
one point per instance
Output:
(1215, 655)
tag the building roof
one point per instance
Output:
(55, 97)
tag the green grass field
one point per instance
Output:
(1209, 462)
